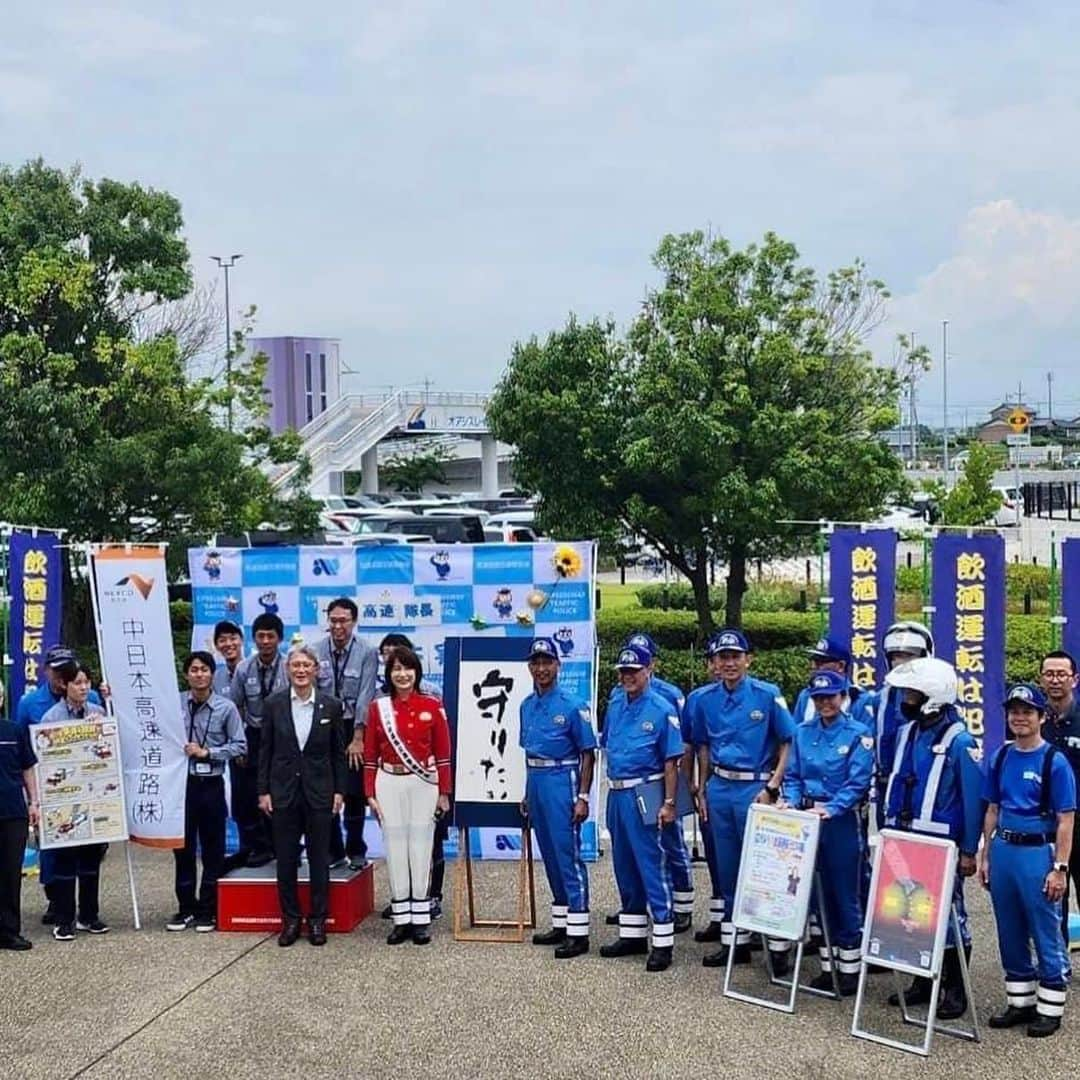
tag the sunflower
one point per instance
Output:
(567, 561)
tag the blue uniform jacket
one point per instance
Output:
(1015, 784)
(640, 735)
(672, 693)
(555, 725)
(957, 810)
(830, 764)
(744, 727)
(34, 705)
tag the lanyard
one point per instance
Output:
(265, 688)
(339, 671)
(75, 713)
(193, 708)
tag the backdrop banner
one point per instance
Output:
(968, 589)
(862, 584)
(131, 604)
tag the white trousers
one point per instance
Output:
(408, 809)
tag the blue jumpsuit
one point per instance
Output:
(884, 718)
(1022, 910)
(555, 729)
(680, 865)
(640, 736)
(936, 788)
(744, 729)
(831, 766)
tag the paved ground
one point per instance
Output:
(154, 1004)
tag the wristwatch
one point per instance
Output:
(1061, 867)
(772, 792)
(669, 802)
(583, 797)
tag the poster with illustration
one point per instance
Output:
(776, 872)
(910, 901)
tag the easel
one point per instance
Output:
(929, 1024)
(793, 985)
(493, 930)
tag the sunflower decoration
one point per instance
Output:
(567, 561)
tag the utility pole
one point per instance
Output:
(914, 414)
(1050, 396)
(227, 265)
(945, 396)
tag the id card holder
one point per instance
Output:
(203, 768)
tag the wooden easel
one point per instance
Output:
(496, 930)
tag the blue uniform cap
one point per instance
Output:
(543, 646)
(830, 649)
(1026, 694)
(59, 655)
(827, 683)
(644, 641)
(727, 641)
(633, 658)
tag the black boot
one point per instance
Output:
(612, 920)
(1012, 1017)
(683, 921)
(659, 959)
(781, 961)
(711, 933)
(719, 959)
(918, 993)
(1043, 1025)
(624, 947)
(571, 947)
(953, 1002)
(399, 934)
(555, 936)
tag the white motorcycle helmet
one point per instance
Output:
(908, 637)
(931, 677)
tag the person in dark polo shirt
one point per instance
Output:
(1061, 727)
(18, 810)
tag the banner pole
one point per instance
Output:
(1055, 625)
(821, 581)
(95, 605)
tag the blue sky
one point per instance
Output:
(431, 181)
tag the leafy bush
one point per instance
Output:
(761, 596)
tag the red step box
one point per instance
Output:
(248, 899)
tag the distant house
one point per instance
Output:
(997, 429)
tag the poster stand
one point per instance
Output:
(467, 927)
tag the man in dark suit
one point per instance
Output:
(302, 775)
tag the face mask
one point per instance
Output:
(911, 710)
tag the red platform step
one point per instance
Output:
(248, 899)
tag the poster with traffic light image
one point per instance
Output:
(910, 902)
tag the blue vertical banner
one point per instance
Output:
(862, 581)
(35, 580)
(1070, 595)
(969, 627)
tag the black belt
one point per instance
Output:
(1026, 839)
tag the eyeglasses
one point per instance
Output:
(340, 622)
(1057, 676)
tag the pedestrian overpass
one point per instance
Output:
(346, 437)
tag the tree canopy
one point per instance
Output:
(740, 399)
(101, 432)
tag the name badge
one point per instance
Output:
(757, 714)
(842, 749)
(203, 768)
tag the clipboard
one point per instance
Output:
(650, 798)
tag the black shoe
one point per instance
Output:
(387, 912)
(48, 918)
(612, 920)
(1013, 1017)
(358, 862)
(94, 926)
(756, 944)
(399, 934)
(659, 959)
(317, 931)
(289, 933)
(711, 933)
(781, 962)
(17, 943)
(555, 936)
(571, 947)
(624, 947)
(421, 935)
(257, 859)
(205, 924)
(953, 1003)
(64, 931)
(918, 993)
(719, 958)
(1043, 1026)
(436, 908)
(339, 863)
(180, 921)
(683, 921)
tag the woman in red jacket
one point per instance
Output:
(407, 783)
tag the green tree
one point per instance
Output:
(972, 500)
(414, 471)
(101, 432)
(735, 403)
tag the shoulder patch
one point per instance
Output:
(779, 699)
(867, 742)
(674, 721)
(975, 753)
(586, 714)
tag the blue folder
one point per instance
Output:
(650, 797)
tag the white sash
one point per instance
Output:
(389, 723)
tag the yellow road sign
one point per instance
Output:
(1018, 420)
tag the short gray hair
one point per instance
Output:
(300, 648)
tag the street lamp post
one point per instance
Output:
(945, 394)
(227, 265)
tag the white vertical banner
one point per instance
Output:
(131, 605)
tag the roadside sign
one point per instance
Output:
(1019, 440)
(1018, 420)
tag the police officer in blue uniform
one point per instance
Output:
(678, 856)
(830, 654)
(254, 680)
(903, 641)
(348, 670)
(828, 774)
(1028, 831)
(560, 748)
(935, 787)
(643, 743)
(742, 730)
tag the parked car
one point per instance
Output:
(460, 529)
(1006, 512)
(390, 539)
(510, 534)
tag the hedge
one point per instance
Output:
(761, 596)
(1019, 579)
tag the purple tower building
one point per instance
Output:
(303, 378)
